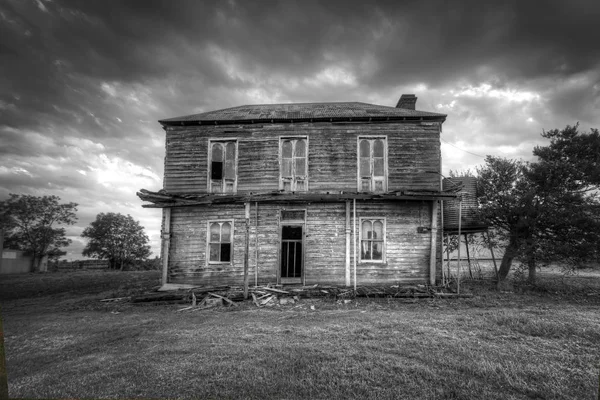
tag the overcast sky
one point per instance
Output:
(83, 83)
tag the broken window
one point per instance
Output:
(223, 162)
(372, 239)
(220, 241)
(372, 164)
(294, 167)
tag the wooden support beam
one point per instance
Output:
(246, 250)
(458, 261)
(166, 241)
(432, 255)
(348, 232)
(256, 243)
(354, 242)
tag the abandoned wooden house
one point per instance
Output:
(331, 193)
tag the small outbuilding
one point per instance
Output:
(15, 262)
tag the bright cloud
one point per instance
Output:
(333, 76)
(487, 90)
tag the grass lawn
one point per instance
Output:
(541, 343)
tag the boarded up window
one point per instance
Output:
(372, 239)
(294, 164)
(372, 164)
(292, 215)
(220, 241)
(223, 164)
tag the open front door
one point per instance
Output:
(292, 254)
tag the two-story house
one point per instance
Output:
(331, 193)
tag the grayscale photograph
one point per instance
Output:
(244, 199)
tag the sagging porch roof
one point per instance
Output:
(163, 199)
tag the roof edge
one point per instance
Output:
(170, 122)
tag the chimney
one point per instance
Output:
(407, 101)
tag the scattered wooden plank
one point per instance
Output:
(267, 300)
(276, 290)
(223, 298)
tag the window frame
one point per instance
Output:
(280, 158)
(209, 180)
(372, 138)
(360, 239)
(208, 242)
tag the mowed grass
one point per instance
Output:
(542, 343)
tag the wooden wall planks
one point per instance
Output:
(413, 155)
(407, 251)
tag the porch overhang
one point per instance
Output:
(162, 199)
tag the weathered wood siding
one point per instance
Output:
(407, 252)
(413, 155)
(325, 247)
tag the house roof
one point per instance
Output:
(303, 112)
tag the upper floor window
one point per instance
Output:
(220, 248)
(372, 239)
(223, 166)
(372, 164)
(294, 164)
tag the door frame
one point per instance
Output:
(296, 223)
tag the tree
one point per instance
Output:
(29, 223)
(547, 210)
(117, 238)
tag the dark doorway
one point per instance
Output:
(291, 252)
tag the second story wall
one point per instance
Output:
(250, 158)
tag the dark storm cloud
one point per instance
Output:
(83, 82)
(518, 40)
(381, 43)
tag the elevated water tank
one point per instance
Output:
(469, 216)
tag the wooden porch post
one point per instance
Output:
(354, 243)
(348, 231)
(256, 242)
(166, 240)
(247, 207)
(432, 255)
(459, 228)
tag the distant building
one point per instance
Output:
(15, 262)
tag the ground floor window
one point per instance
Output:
(220, 243)
(372, 239)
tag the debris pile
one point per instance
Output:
(271, 294)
